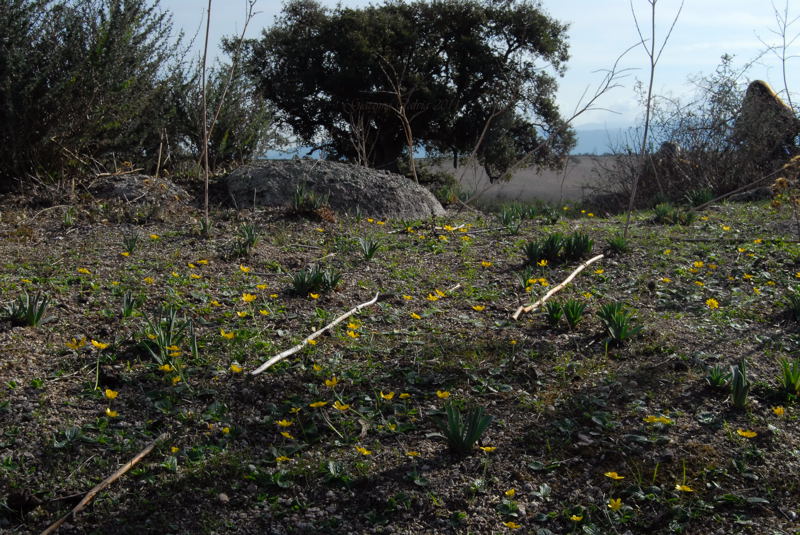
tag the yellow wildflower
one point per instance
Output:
(313, 296)
(110, 394)
(439, 292)
(195, 276)
(779, 410)
(407, 297)
(99, 345)
(388, 396)
(746, 434)
(712, 303)
(405, 395)
(512, 525)
(683, 488)
(248, 298)
(84, 271)
(317, 404)
(510, 492)
(614, 503)
(227, 335)
(363, 451)
(287, 434)
(176, 380)
(478, 308)
(412, 453)
(614, 475)
(244, 269)
(352, 334)
(486, 264)
(154, 236)
(111, 413)
(236, 368)
(333, 381)
(340, 406)
(576, 518)
(284, 423)
(125, 253)
(442, 394)
(542, 262)
(282, 459)
(487, 449)
(416, 316)
(166, 368)
(76, 344)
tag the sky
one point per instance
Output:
(600, 30)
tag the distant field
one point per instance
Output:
(528, 185)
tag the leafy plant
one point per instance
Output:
(619, 323)
(306, 201)
(69, 217)
(129, 242)
(790, 376)
(551, 246)
(553, 312)
(27, 310)
(740, 385)
(533, 251)
(129, 304)
(315, 279)
(368, 247)
(792, 303)
(248, 235)
(618, 244)
(718, 376)
(573, 312)
(462, 431)
(577, 245)
(167, 335)
(510, 218)
(696, 197)
(667, 214)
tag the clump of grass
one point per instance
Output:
(573, 312)
(740, 385)
(618, 322)
(666, 214)
(618, 244)
(462, 431)
(553, 311)
(792, 303)
(314, 279)
(790, 377)
(27, 310)
(696, 197)
(718, 376)
(368, 247)
(306, 202)
(558, 247)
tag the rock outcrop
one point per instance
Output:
(350, 189)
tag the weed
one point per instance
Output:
(790, 377)
(619, 323)
(167, 335)
(129, 242)
(718, 376)
(463, 430)
(666, 214)
(27, 310)
(573, 312)
(551, 246)
(618, 244)
(553, 312)
(69, 217)
(315, 279)
(307, 202)
(248, 235)
(696, 197)
(577, 245)
(740, 385)
(130, 304)
(368, 247)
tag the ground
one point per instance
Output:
(587, 435)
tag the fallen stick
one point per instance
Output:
(555, 289)
(102, 485)
(280, 356)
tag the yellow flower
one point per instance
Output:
(264, 312)
(487, 449)
(442, 394)
(657, 419)
(226, 430)
(125, 253)
(486, 264)
(313, 296)
(590, 214)
(416, 316)
(699, 283)
(352, 334)
(614, 503)
(99, 345)
(176, 380)
(111, 413)
(542, 262)
(712, 303)
(698, 264)
(175, 274)
(110, 394)
(215, 303)
(333, 381)
(202, 261)
(392, 427)
(317, 367)
(174, 449)
(166, 368)
(148, 280)
(478, 308)
(273, 296)
(412, 453)
(388, 396)
(666, 280)
(512, 525)
(448, 228)
(667, 251)
(313, 343)
(599, 271)
(317, 404)
(248, 298)
(683, 488)
(405, 395)
(363, 451)
(236, 368)
(747, 276)
(756, 291)
(191, 266)
(282, 459)
(227, 335)
(510, 492)
(76, 344)
(340, 406)
(432, 297)
(287, 434)
(353, 326)
(242, 313)
(741, 249)
(195, 276)
(779, 410)
(284, 423)
(407, 297)
(439, 292)
(26, 281)
(370, 220)
(576, 518)
(614, 475)
(712, 266)
(262, 286)
(726, 228)
(295, 410)
(84, 271)
(244, 269)
(154, 236)
(513, 342)
(746, 434)
(587, 295)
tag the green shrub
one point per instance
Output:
(462, 431)
(27, 310)
(314, 280)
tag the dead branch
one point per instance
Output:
(555, 289)
(280, 356)
(105, 483)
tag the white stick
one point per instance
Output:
(549, 294)
(280, 356)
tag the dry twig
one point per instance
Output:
(102, 485)
(555, 289)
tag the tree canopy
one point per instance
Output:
(342, 79)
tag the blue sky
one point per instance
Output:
(600, 30)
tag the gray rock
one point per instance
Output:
(351, 189)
